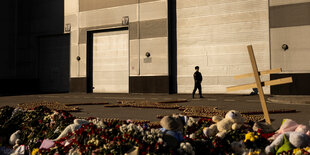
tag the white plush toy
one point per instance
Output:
(232, 121)
(77, 123)
(14, 137)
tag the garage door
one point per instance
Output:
(110, 62)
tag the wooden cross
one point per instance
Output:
(258, 83)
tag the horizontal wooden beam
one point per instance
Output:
(278, 70)
(266, 83)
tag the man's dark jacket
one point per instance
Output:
(197, 77)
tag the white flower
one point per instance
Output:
(186, 148)
(190, 121)
(140, 128)
(123, 128)
(153, 131)
(147, 132)
(192, 136)
(160, 140)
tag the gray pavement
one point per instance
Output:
(222, 101)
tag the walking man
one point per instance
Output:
(197, 79)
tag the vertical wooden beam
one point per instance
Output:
(258, 83)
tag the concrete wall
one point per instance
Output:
(214, 34)
(148, 32)
(290, 24)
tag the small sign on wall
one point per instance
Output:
(148, 60)
(125, 20)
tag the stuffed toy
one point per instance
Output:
(77, 123)
(290, 135)
(263, 127)
(238, 148)
(288, 141)
(172, 128)
(14, 137)
(289, 125)
(232, 121)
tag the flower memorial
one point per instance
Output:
(45, 131)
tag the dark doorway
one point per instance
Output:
(172, 46)
(54, 63)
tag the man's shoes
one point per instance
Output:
(202, 97)
(253, 93)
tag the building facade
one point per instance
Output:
(152, 46)
(141, 67)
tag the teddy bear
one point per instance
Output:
(238, 148)
(172, 128)
(15, 139)
(232, 121)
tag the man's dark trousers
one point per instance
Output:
(197, 86)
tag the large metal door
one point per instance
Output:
(110, 62)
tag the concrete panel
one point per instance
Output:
(219, 39)
(154, 28)
(71, 7)
(158, 48)
(205, 70)
(133, 30)
(143, 1)
(223, 28)
(297, 57)
(260, 47)
(134, 57)
(290, 15)
(74, 65)
(228, 8)
(82, 62)
(149, 84)
(74, 37)
(73, 20)
(223, 19)
(286, 2)
(153, 10)
(78, 85)
(86, 5)
(234, 59)
(193, 60)
(197, 3)
(246, 68)
(108, 16)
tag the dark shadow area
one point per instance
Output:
(24, 24)
(172, 46)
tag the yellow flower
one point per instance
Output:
(297, 151)
(254, 153)
(250, 136)
(35, 151)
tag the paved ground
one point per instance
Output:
(224, 102)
